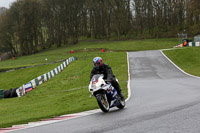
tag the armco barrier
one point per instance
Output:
(43, 78)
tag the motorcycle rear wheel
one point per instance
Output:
(103, 102)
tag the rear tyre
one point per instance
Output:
(103, 102)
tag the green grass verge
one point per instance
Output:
(137, 45)
(188, 59)
(54, 97)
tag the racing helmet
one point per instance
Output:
(98, 62)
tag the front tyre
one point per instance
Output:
(103, 102)
(122, 103)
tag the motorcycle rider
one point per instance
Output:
(101, 68)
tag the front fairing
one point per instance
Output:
(97, 82)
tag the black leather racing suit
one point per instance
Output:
(108, 75)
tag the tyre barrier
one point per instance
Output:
(193, 44)
(1, 94)
(188, 44)
(25, 88)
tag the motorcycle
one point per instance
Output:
(105, 94)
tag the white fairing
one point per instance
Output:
(96, 84)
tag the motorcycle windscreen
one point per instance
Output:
(95, 78)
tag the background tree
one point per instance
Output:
(32, 25)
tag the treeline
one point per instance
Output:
(31, 25)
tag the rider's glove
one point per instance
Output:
(108, 82)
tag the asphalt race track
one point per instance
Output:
(163, 100)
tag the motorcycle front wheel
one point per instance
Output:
(103, 102)
(122, 103)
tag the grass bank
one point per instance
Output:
(188, 59)
(63, 94)
(55, 54)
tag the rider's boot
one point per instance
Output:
(116, 85)
(121, 95)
